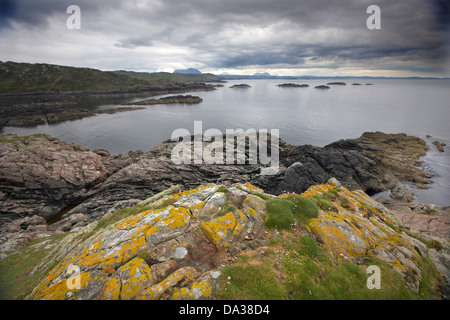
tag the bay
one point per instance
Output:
(418, 107)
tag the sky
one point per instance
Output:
(281, 37)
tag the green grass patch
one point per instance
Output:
(428, 211)
(322, 202)
(223, 189)
(304, 207)
(280, 214)
(226, 207)
(262, 196)
(249, 282)
(16, 282)
(298, 269)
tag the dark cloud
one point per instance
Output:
(265, 33)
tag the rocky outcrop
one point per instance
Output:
(293, 85)
(336, 84)
(36, 94)
(45, 176)
(430, 219)
(242, 85)
(188, 99)
(178, 244)
(322, 87)
(439, 145)
(41, 175)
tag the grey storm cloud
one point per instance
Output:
(236, 33)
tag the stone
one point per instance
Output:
(136, 275)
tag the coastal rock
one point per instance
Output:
(439, 145)
(171, 252)
(293, 85)
(41, 175)
(188, 99)
(242, 85)
(62, 178)
(336, 84)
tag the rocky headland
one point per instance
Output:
(185, 227)
(35, 94)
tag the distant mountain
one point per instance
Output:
(188, 71)
(263, 75)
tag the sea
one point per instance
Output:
(418, 107)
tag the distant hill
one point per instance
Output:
(188, 71)
(162, 77)
(19, 78)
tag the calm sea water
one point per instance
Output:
(302, 115)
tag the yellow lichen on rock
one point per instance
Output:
(218, 231)
(112, 289)
(136, 275)
(154, 292)
(198, 290)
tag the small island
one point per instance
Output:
(293, 85)
(356, 84)
(322, 87)
(188, 99)
(242, 85)
(336, 84)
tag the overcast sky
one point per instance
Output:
(291, 37)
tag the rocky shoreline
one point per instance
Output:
(42, 175)
(24, 110)
(187, 99)
(179, 222)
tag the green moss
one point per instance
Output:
(223, 189)
(304, 207)
(164, 204)
(279, 214)
(308, 247)
(428, 211)
(226, 207)
(119, 215)
(262, 196)
(322, 202)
